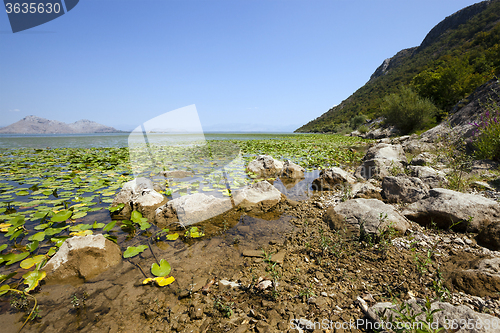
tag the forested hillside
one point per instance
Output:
(457, 55)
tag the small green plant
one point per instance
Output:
(422, 262)
(307, 292)
(442, 292)
(78, 303)
(160, 270)
(459, 162)
(272, 268)
(224, 308)
(346, 192)
(487, 133)
(404, 319)
(394, 170)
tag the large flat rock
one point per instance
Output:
(370, 216)
(446, 208)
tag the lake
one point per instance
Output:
(99, 140)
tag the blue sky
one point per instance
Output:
(247, 65)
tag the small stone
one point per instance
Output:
(324, 294)
(227, 283)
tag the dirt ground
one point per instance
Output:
(258, 272)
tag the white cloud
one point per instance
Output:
(15, 110)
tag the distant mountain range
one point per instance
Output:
(37, 125)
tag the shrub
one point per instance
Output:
(356, 121)
(363, 129)
(408, 111)
(487, 131)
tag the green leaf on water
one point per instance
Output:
(47, 192)
(32, 279)
(116, 208)
(4, 277)
(109, 226)
(42, 226)
(79, 215)
(13, 258)
(132, 251)
(30, 262)
(194, 232)
(59, 240)
(61, 216)
(5, 288)
(22, 193)
(172, 237)
(39, 236)
(97, 225)
(135, 216)
(111, 238)
(161, 270)
(32, 246)
(55, 231)
(80, 227)
(3, 247)
(52, 251)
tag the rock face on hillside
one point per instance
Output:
(393, 62)
(452, 22)
(37, 125)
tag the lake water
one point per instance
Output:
(99, 140)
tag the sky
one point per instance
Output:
(247, 65)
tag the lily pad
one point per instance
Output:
(82, 233)
(4, 289)
(161, 270)
(132, 251)
(78, 215)
(12, 258)
(109, 226)
(30, 262)
(33, 278)
(172, 237)
(39, 236)
(61, 216)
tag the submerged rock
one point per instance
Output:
(177, 174)
(447, 208)
(192, 208)
(82, 257)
